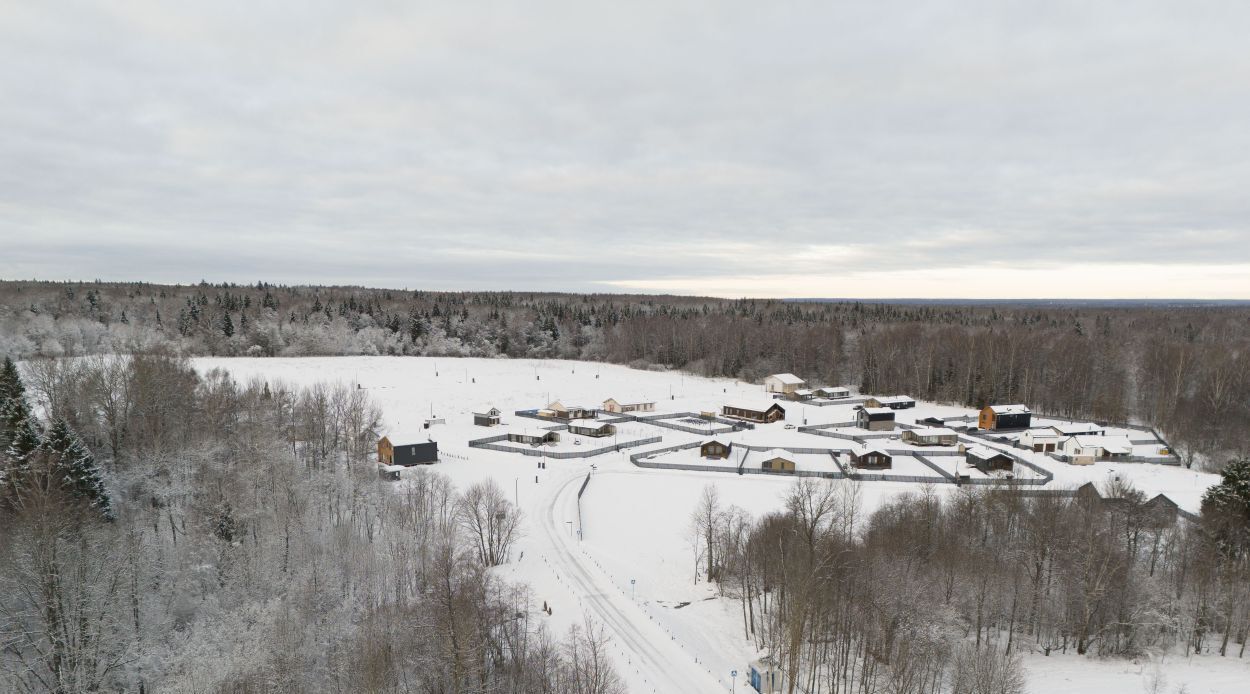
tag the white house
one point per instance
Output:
(628, 405)
(833, 392)
(1044, 440)
(1087, 449)
(783, 383)
(1078, 429)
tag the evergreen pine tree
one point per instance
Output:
(1226, 508)
(227, 325)
(75, 469)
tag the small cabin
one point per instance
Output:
(989, 460)
(777, 460)
(487, 418)
(596, 429)
(622, 407)
(714, 449)
(533, 437)
(833, 392)
(875, 418)
(783, 383)
(1040, 440)
(893, 402)
(871, 457)
(1003, 417)
(930, 436)
(801, 395)
(1161, 510)
(407, 452)
(760, 413)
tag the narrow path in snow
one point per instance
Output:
(654, 663)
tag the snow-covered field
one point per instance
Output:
(633, 569)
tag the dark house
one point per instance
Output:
(1000, 417)
(533, 436)
(873, 458)
(714, 449)
(489, 418)
(1162, 511)
(407, 454)
(988, 459)
(760, 413)
(875, 418)
(894, 402)
(597, 430)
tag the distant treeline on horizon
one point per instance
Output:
(1183, 366)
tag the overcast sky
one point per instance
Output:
(873, 149)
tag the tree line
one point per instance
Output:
(932, 594)
(167, 531)
(1182, 368)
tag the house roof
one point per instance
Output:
(630, 401)
(1111, 444)
(877, 411)
(407, 434)
(787, 378)
(932, 431)
(1009, 409)
(893, 398)
(861, 449)
(774, 453)
(711, 441)
(833, 389)
(592, 424)
(984, 452)
(753, 405)
(804, 391)
(1076, 428)
(489, 409)
(1041, 433)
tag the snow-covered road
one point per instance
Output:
(652, 661)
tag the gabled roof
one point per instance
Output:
(931, 431)
(883, 399)
(804, 391)
(774, 453)
(715, 441)
(488, 410)
(877, 410)
(630, 401)
(833, 389)
(862, 449)
(1076, 428)
(1112, 444)
(788, 379)
(984, 452)
(1009, 409)
(403, 436)
(1041, 433)
(754, 405)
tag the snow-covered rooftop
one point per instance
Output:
(1076, 428)
(878, 410)
(1009, 409)
(753, 405)
(933, 431)
(788, 379)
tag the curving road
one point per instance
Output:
(643, 646)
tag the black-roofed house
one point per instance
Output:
(988, 460)
(1002, 417)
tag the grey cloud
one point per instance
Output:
(631, 142)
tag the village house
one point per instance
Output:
(406, 450)
(989, 460)
(875, 418)
(783, 383)
(714, 449)
(833, 392)
(930, 436)
(1084, 450)
(533, 437)
(488, 417)
(1078, 429)
(1043, 440)
(595, 429)
(871, 457)
(801, 394)
(558, 410)
(894, 402)
(764, 412)
(1001, 417)
(622, 407)
(777, 460)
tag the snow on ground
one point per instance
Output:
(635, 521)
(1073, 674)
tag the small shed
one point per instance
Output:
(714, 449)
(893, 402)
(875, 418)
(1002, 417)
(763, 412)
(402, 450)
(595, 429)
(777, 460)
(872, 457)
(988, 459)
(488, 417)
(930, 436)
(783, 383)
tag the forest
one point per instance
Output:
(1182, 368)
(166, 531)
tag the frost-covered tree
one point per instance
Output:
(75, 469)
(1226, 507)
